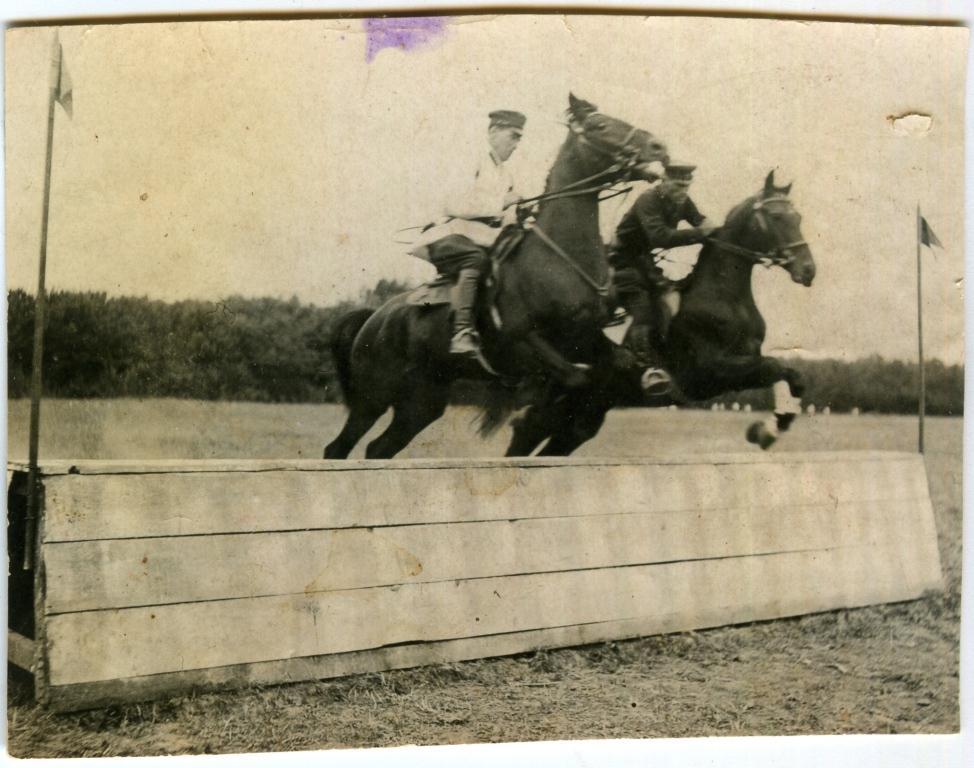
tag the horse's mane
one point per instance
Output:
(732, 220)
(731, 223)
(562, 149)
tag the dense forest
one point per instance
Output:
(277, 351)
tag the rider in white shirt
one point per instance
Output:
(457, 246)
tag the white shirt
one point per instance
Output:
(483, 197)
(489, 184)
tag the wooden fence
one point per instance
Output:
(155, 578)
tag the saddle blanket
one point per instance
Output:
(440, 290)
(433, 294)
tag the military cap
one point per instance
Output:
(507, 118)
(680, 171)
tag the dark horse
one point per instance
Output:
(549, 296)
(714, 341)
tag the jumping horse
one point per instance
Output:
(549, 297)
(713, 344)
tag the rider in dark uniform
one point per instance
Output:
(651, 225)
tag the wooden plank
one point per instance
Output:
(920, 552)
(105, 645)
(54, 467)
(92, 575)
(20, 650)
(75, 696)
(124, 506)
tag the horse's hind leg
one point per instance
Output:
(412, 414)
(359, 421)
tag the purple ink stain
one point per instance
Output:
(403, 32)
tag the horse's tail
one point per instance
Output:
(498, 404)
(341, 347)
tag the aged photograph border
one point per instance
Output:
(891, 751)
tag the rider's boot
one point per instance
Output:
(654, 380)
(465, 340)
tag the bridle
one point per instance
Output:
(624, 153)
(624, 157)
(781, 255)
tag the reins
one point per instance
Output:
(764, 258)
(780, 255)
(569, 189)
(625, 159)
(602, 289)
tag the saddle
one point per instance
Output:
(627, 280)
(439, 291)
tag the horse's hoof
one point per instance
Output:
(654, 382)
(784, 420)
(759, 434)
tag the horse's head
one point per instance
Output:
(769, 225)
(608, 141)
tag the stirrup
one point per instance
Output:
(655, 381)
(466, 344)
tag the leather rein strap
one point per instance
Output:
(602, 289)
(778, 256)
(624, 158)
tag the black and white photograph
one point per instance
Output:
(467, 379)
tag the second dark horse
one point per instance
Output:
(550, 299)
(714, 341)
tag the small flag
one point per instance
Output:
(64, 91)
(927, 237)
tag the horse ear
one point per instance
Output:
(769, 183)
(786, 190)
(579, 109)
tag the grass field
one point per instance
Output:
(883, 669)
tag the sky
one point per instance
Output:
(279, 158)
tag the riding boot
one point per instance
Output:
(654, 380)
(660, 320)
(465, 339)
(639, 344)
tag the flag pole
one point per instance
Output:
(40, 307)
(923, 381)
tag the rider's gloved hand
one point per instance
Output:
(524, 212)
(708, 227)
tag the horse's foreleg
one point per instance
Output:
(746, 372)
(551, 359)
(786, 384)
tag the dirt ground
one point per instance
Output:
(877, 670)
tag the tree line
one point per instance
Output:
(273, 350)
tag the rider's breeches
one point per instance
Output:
(460, 258)
(455, 253)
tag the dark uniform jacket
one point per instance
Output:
(652, 223)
